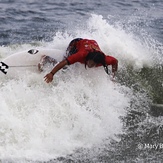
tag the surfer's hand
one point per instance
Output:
(48, 78)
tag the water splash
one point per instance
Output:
(81, 108)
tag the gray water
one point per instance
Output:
(30, 23)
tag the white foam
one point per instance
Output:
(41, 121)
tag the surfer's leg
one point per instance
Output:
(51, 60)
(71, 49)
(44, 60)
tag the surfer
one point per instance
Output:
(86, 52)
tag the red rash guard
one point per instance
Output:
(83, 48)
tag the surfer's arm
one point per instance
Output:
(49, 77)
(59, 66)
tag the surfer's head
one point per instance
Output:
(94, 59)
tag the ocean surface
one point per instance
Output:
(83, 116)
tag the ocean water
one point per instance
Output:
(83, 116)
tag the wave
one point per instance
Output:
(82, 109)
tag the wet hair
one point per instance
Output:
(98, 57)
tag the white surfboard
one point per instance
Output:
(28, 59)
